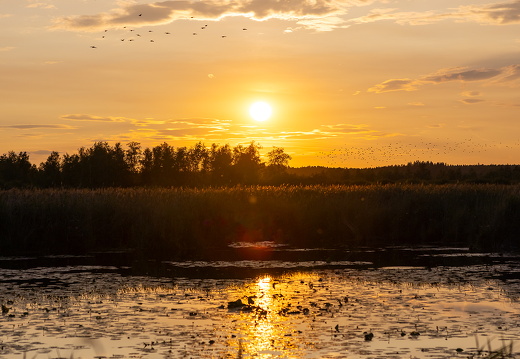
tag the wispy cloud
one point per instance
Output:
(501, 13)
(322, 15)
(6, 48)
(37, 126)
(493, 14)
(85, 117)
(395, 85)
(471, 93)
(461, 74)
(470, 101)
(41, 5)
(213, 132)
(503, 75)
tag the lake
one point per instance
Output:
(268, 302)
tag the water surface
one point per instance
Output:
(290, 309)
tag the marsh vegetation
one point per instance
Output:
(192, 223)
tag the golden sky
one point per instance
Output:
(355, 83)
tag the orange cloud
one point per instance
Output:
(507, 74)
(395, 85)
(321, 15)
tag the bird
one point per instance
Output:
(93, 47)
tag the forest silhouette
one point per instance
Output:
(103, 165)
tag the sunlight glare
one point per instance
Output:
(260, 111)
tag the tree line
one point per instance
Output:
(103, 165)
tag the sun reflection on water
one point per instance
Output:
(318, 314)
(267, 326)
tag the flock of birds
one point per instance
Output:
(140, 35)
(401, 152)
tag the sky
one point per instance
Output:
(351, 83)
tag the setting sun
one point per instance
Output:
(260, 111)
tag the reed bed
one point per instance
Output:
(177, 223)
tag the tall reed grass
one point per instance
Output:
(181, 222)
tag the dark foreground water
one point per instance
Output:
(267, 303)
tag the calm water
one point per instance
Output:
(456, 305)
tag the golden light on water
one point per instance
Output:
(270, 331)
(322, 314)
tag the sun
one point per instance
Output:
(260, 111)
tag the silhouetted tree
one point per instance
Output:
(106, 166)
(221, 161)
(163, 165)
(277, 164)
(16, 170)
(247, 163)
(50, 171)
(277, 158)
(71, 170)
(146, 166)
(133, 161)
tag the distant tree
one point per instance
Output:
(277, 158)
(146, 167)
(163, 165)
(199, 158)
(50, 171)
(71, 170)
(16, 170)
(277, 165)
(247, 163)
(220, 163)
(133, 161)
(106, 166)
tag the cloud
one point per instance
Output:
(470, 93)
(41, 152)
(399, 17)
(461, 74)
(395, 85)
(85, 117)
(491, 14)
(210, 130)
(321, 15)
(6, 48)
(25, 127)
(504, 75)
(470, 101)
(359, 131)
(502, 13)
(41, 5)
(511, 73)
